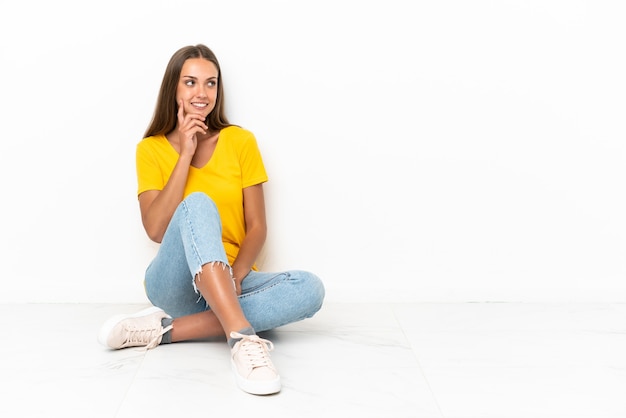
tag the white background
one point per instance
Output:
(417, 150)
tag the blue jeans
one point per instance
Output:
(193, 239)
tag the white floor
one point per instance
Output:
(354, 360)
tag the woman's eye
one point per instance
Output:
(189, 83)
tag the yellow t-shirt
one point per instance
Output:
(235, 164)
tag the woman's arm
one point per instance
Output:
(256, 232)
(158, 206)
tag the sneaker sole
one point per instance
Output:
(256, 387)
(110, 323)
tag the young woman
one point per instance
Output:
(200, 188)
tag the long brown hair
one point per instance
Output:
(165, 114)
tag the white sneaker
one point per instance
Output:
(142, 329)
(252, 366)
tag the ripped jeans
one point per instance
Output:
(193, 239)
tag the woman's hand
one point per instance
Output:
(256, 231)
(237, 283)
(189, 126)
(238, 277)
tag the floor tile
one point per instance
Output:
(435, 360)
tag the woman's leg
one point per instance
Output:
(191, 260)
(216, 285)
(191, 271)
(268, 300)
(196, 223)
(191, 265)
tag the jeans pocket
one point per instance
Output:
(256, 281)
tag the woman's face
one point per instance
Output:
(197, 86)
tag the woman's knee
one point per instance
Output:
(198, 204)
(311, 286)
(199, 199)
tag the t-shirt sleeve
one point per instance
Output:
(252, 168)
(149, 176)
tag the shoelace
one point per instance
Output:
(151, 335)
(256, 349)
